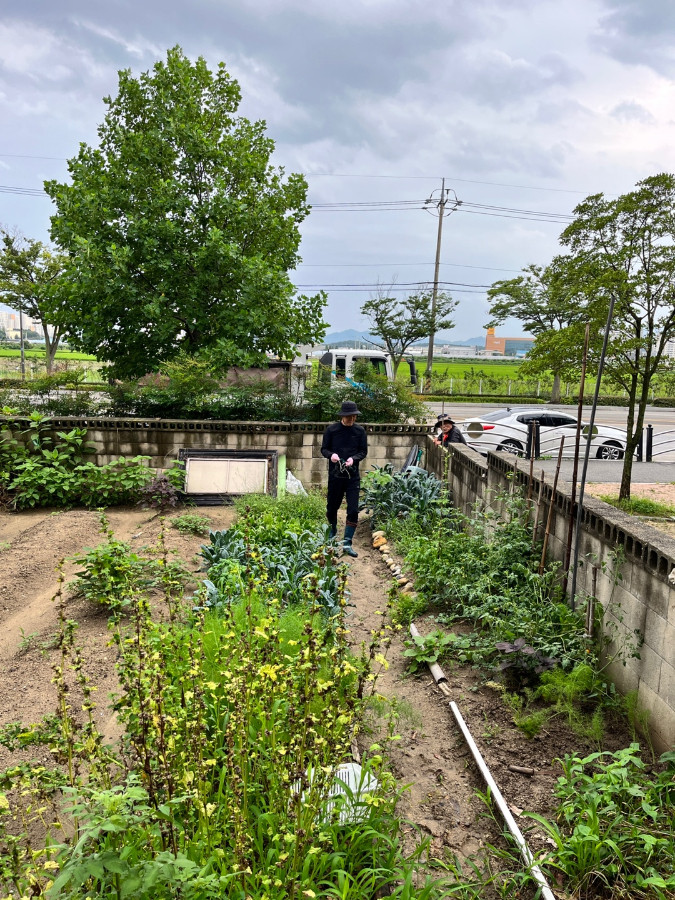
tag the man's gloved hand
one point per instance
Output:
(335, 458)
(349, 462)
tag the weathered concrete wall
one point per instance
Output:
(161, 439)
(626, 564)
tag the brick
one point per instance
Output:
(667, 685)
(650, 669)
(626, 678)
(655, 631)
(661, 721)
(625, 606)
(650, 589)
(668, 644)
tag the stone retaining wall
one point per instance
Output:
(628, 561)
(161, 439)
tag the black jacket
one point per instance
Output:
(454, 436)
(346, 441)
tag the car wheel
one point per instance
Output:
(610, 450)
(510, 447)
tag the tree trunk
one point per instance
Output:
(51, 346)
(555, 390)
(634, 433)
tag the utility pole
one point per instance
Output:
(23, 355)
(440, 206)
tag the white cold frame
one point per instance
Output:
(226, 476)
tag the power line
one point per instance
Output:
(26, 192)
(399, 264)
(403, 284)
(369, 290)
(526, 187)
(26, 156)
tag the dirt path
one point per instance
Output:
(32, 545)
(430, 757)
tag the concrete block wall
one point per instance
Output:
(626, 565)
(161, 440)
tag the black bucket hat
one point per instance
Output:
(445, 417)
(349, 408)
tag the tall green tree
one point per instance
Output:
(180, 231)
(540, 298)
(625, 249)
(399, 322)
(621, 249)
(33, 278)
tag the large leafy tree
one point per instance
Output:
(34, 279)
(180, 231)
(399, 322)
(621, 250)
(541, 299)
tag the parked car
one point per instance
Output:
(506, 430)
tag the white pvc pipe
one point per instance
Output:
(525, 851)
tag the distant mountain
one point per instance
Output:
(351, 334)
(469, 342)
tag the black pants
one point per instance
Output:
(338, 489)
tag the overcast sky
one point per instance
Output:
(546, 101)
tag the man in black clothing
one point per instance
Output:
(450, 433)
(344, 445)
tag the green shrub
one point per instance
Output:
(617, 833)
(423, 650)
(191, 523)
(392, 495)
(46, 472)
(482, 569)
(110, 574)
(38, 484)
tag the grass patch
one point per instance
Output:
(191, 523)
(641, 506)
(40, 354)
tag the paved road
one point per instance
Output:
(661, 419)
(608, 471)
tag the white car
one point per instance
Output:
(506, 430)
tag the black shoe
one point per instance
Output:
(349, 550)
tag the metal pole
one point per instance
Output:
(529, 481)
(535, 527)
(650, 442)
(434, 295)
(23, 354)
(575, 468)
(587, 454)
(550, 508)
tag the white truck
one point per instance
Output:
(338, 363)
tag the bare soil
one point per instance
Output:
(38, 540)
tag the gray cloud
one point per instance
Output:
(498, 80)
(482, 90)
(640, 32)
(630, 111)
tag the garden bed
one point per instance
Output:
(33, 543)
(532, 689)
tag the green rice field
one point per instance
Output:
(40, 354)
